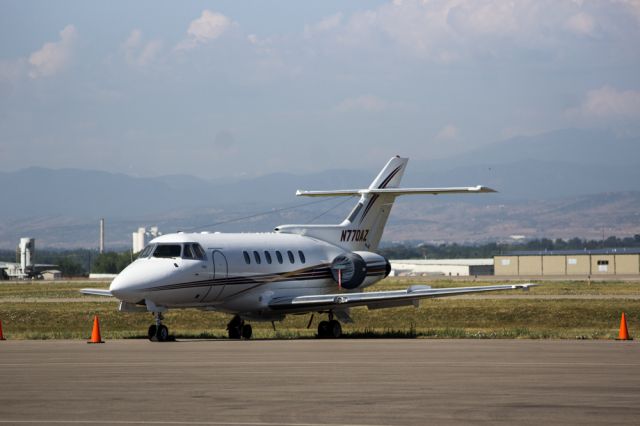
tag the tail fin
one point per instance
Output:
(362, 229)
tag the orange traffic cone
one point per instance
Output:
(95, 334)
(1, 335)
(624, 332)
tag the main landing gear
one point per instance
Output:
(329, 329)
(158, 332)
(238, 329)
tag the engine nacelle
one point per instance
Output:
(359, 269)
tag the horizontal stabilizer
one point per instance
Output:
(96, 292)
(397, 191)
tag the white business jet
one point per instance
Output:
(297, 269)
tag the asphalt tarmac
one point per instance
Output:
(320, 382)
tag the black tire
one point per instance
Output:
(247, 331)
(234, 332)
(163, 333)
(152, 332)
(323, 329)
(335, 329)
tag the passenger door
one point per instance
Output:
(220, 273)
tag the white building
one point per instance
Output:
(138, 237)
(444, 267)
(138, 240)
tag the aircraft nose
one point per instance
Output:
(137, 279)
(123, 287)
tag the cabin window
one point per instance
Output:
(167, 250)
(301, 255)
(147, 251)
(279, 256)
(291, 258)
(256, 256)
(267, 256)
(247, 258)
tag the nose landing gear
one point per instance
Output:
(158, 332)
(238, 329)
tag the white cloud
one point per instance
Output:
(610, 103)
(367, 103)
(447, 133)
(53, 56)
(139, 53)
(488, 17)
(209, 26)
(634, 5)
(580, 23)
(446, 31)
(326, 24)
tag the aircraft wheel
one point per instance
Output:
(152, 332)
(235, 327)
(323, 329)
(163, 333)
(234, 332)
(247, 331)
(334, 329)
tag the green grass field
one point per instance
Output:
(28, 311)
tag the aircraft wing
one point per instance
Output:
(96, 292)
(379, 299)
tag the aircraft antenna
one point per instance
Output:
(344, 200)
(264, 213)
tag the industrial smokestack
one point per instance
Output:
(27, 253)
(101, 236)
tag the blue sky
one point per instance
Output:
(228, 88)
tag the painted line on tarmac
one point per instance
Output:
(307, 363)
(152, 422)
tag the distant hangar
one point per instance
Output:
(446, 267)
(618, 261)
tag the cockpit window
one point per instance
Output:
(193, 251)
(147, 251)
(198, 251)
(187, 252)
(167, 250)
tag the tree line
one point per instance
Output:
(76, 262)
(81, 262)
(487, 250)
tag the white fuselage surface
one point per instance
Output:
(237, 273)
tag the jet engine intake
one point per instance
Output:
(359, 269)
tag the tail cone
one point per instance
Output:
(624, 332)
(95, 334)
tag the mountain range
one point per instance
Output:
(559, 184)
